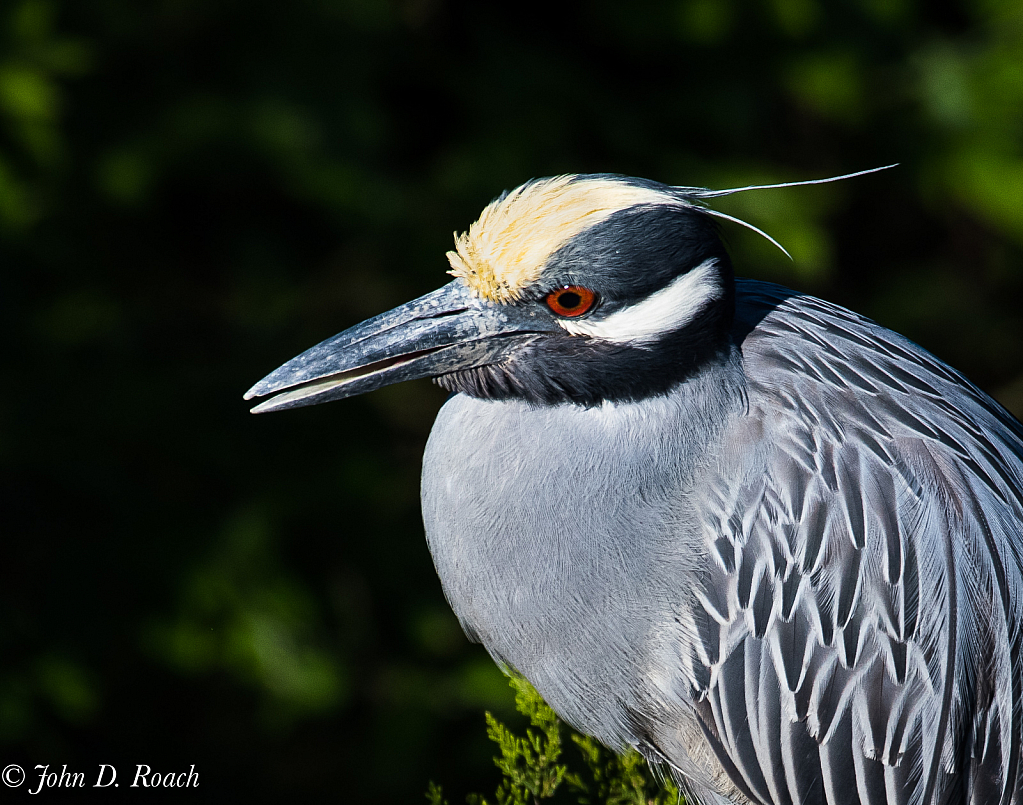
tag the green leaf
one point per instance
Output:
(532, 772)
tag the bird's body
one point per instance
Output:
(780, 551)
(784, 574)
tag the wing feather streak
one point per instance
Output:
(871, 650)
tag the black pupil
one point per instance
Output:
(569, 300)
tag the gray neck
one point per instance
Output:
(549, 525)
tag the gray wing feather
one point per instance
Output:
(865, 528)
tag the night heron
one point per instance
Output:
(752, 534)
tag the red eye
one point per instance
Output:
(571, 300)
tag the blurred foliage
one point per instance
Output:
(531, 770)
(34, 59)
(193, 192)
(241, 615)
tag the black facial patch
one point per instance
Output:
(635, 252)
(586, 371)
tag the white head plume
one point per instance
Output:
(699, 194)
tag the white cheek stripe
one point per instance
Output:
(671, 308)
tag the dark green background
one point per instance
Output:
(192, 192)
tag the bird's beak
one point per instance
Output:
(444, 331)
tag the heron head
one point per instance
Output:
(574, 289)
